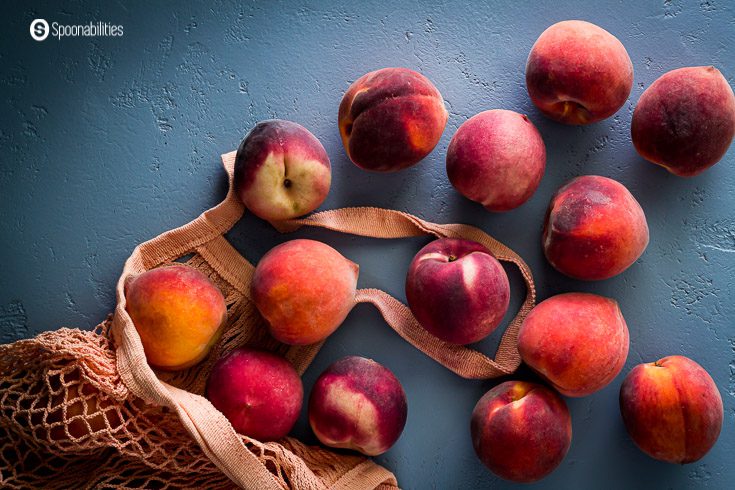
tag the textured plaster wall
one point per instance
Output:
(108, 142)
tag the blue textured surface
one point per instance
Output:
(108, 142)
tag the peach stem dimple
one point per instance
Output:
(517, 395)
(573, 109)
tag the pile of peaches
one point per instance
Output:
(390, 119)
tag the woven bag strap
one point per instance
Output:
(385, 223)
(205, 424)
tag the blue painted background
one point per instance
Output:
(108, 142)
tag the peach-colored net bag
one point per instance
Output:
(84, 409)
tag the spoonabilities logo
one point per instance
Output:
(39, 29)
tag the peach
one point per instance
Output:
(457, 290)
(260, 393)
(178, 313)
(358, 404)
(304, 289)
(578, 73)
(521, 431)
(685, 121)
(578, 342)
(594, 229)
(281, 171)
(87, 411)
(496, 158)
(390, 119)
(672, 409)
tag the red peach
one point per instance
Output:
(578, 73)
(685, 121)
(457, 290)
(576, 341)
(594, 229)
(281, 171)
(521, 431)
(260, 393)
(178, 313)
(304, 289)
(496, 158)
(672, 409)
(390, 119)
(358, 404)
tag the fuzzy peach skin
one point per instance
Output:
(358, 404)
(304, 289)
(578, 73)
(496, 158)
(178, 313)
(578, 342)
(521, 431)
(672, 409)
(594, 229)
(457, 290)
(685, 121)
(281, 171)
(390, 119)
(260, 393)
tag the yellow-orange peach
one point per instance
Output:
(576, 341)
(672, 409)
(178, 313)
(87, 412)
(304, 289)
